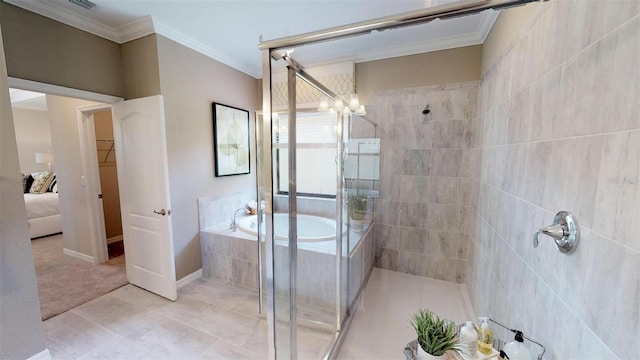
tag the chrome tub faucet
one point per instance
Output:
(234, 223)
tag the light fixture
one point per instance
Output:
(338, 105)
(354, 104)
(84, 3)
(324, 105)
(44, 158)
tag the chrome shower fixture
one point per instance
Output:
(425, 113)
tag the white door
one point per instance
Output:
(141, 156)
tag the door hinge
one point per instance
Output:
(99, 196)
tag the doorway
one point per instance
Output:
(108, 177)
(67, 271)
(140, 147)
(100, 176)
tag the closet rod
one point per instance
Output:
(108, 141)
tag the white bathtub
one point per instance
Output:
(310, 228)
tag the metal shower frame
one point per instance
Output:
(271, 50)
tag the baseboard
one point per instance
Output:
(189, 278)
(42, 355)
(111, 240)
(77, 255)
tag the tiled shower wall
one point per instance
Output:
(423, 215)
(559, 129)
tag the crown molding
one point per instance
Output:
(131, 31)
(421, 47)
(414, 48)
(185, 40)
(476, 37)
(149, 25)
(486, 24)
(135, 29)
(67, 17)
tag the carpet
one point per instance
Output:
(65, 282)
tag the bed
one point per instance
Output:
(43, 214)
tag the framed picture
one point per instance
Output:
(230, 140)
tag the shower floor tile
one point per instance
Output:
(380, 327)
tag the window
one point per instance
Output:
(316, 150)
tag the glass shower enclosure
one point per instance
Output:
(318, 177)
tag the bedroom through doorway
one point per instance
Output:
(54, 182)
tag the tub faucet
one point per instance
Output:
(234, 223)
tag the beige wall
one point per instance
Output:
(22, 333)
(438, 67)
(44, 50)
(33, 136)
(66, 147)
(188, 93)
(140, 67)
(560, 130)
(506, 30)
(108, 174)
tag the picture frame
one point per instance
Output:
(231, 143)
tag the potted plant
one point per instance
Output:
(435, 336)
(357, 206)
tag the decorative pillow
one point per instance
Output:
(26, 183)
(53, 185)
(41, 182)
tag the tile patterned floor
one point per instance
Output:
(213, 320)
(210, 320)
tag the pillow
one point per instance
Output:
(41, 182)
(26, 183)
(53, 187)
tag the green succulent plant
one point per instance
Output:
(435, 335)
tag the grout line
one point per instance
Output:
(552, 290)
(574, 137)
(549, 212)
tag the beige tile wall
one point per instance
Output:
(423, 214)
(559, 129)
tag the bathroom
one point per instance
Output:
(479, 151)
(465, 152)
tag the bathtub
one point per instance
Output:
(310, 228)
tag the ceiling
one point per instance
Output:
(229, 31)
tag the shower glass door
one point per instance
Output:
(302, 185)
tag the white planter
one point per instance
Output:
(422, 355)
(357, 225)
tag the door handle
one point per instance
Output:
(162, 212)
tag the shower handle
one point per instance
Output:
(564, 232)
